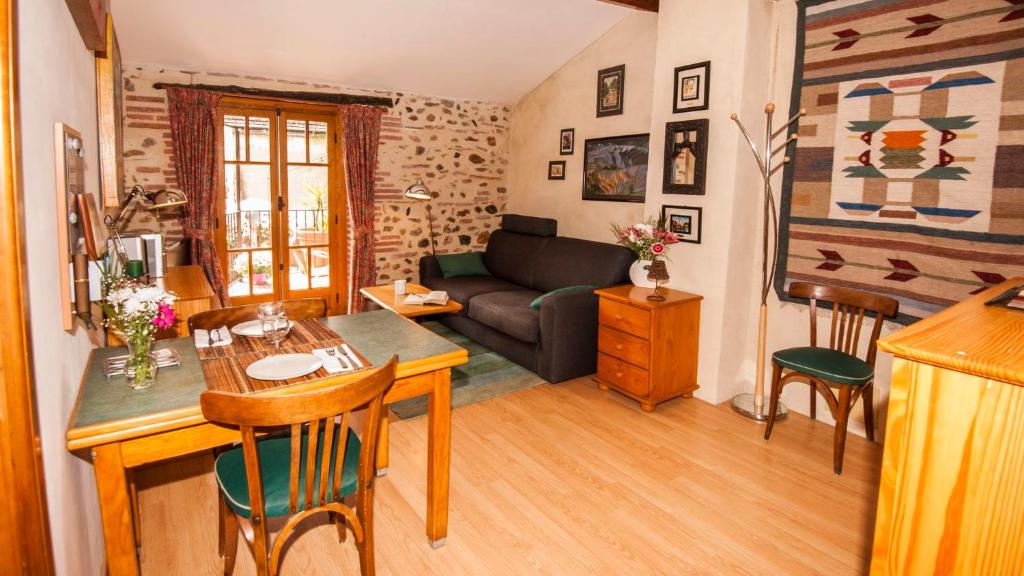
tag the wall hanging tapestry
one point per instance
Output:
(908, 175)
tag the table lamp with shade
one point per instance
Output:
(164, 198)
(419, 191)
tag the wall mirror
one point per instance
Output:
(686, 149)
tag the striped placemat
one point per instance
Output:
(305, 331)
(224, 366)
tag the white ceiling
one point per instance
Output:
(496, 50)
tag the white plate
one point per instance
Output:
(253, 328)
(284, 366)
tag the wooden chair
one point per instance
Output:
(838, 365)
(271, 477)
(295, 309)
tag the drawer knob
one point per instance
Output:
(618, 346)
(618, 374)
(618, 316)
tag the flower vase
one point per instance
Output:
(140, 369)
(638, 274)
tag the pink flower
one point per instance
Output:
(657, 248)
(671, 238)
(164, 316)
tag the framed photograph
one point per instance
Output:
(686, 154)
(556, 170)
(683, 221)
(567, 142)
(692, 85)
(611, 90)
(616, 168)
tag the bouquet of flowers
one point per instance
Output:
(134, 312)
(647, 239)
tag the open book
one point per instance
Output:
(436, 297)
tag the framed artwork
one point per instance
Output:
(556, 170)
(567, 142)
(611, 90)
(692, 85)
(686, 154)
(108, 103)
(615, 168)
(683, 221)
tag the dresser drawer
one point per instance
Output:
(623, 375)
(636, 351)
(625, 318)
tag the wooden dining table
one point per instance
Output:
(118, 428)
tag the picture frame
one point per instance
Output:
(615, 168)
(556, 170)
(567, 142)
(686, 152)
(683, 221)
(110, 118)
(692, 88)
(611, 90)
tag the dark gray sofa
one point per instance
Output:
(527, 259)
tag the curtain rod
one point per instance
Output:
(323, 97)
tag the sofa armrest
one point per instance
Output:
(568, 336)
(429, 270)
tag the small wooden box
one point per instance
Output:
(648, 350)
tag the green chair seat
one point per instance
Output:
(826, 364)
(275, 465)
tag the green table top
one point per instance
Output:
(376, 335)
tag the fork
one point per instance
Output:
(332, 351)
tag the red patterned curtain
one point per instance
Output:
(193, 115)
(362, 136)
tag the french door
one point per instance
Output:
(281, 213)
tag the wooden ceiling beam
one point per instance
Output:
(648, 5)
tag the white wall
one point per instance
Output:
(57, 84)
(567, 99)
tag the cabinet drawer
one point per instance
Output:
(623, 375)
(625, 318)
(636, 351)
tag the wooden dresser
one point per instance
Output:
(194, 296)
(951, 499)
(648, 350)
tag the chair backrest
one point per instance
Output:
(295, 309)
(848, 309)
(313, 409)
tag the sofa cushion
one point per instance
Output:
(530, 225)
(509, 313)
(540, 299)
(463, 288)
(512, 256)
(572, 262)
(468, 264)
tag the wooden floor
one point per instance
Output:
(565, 479)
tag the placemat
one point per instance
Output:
(305, 331)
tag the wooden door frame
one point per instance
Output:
(337, 300)
(24, 522)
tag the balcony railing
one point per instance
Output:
(251, 228)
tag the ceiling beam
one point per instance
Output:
(90, 17)
(648, 5)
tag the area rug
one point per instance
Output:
(486, 375)
(908, 175)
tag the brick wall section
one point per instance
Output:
(459, 147)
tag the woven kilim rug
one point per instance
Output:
(908, 176)
(486, 375)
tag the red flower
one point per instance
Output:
(657, 248)
(164, 316)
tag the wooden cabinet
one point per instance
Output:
(647, 350)
(951, 497)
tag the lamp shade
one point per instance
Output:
(166, 198)
(418, 191)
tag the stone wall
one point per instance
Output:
(460, 148)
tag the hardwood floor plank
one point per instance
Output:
(566, 479)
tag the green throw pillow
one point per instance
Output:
(581, 288)
(468, 264)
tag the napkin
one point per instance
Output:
(203, 337)
(333, 364)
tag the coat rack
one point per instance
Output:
(752, 405)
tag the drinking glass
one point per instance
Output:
(270, 309)
(275, 329)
